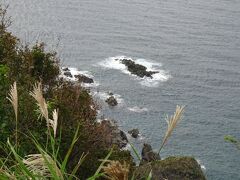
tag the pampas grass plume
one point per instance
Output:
(13, 98)
(172, 123)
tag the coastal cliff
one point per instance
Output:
(53, 120)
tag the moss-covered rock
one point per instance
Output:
(171, 168)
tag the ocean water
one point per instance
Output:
(195, 45)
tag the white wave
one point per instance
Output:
(74, 72)
(114, 63)
(201, 165)
(86, 73)
(161, 76)
(87, 85)
(137, 109)
(141, 137)
(149, 65)
(127, 147)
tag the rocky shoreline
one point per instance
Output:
(81, 78)
(169, 168)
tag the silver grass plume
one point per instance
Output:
(41, 102)
(40, 164)
(38, 96)
(53, 123)
(13, 98)
(172, 123)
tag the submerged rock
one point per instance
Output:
(123, 136)
(68, 74)
(84, 79)
(66, 69)
(137, 69)
(171, 168)
(148, 155)
(110, 93)
(111, 101)
(134, 133)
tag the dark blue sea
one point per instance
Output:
(195, 46)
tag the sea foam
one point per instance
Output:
(161, 76)
(137, 109)
(75, 71)
(201, 165)
(104, 95)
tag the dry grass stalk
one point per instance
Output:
(41, 102)
(172, 123)
(7, 174)
(116, 171)
(39, 165)
(13, 98)
(54, 122)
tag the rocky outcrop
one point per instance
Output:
(110, 93)
(79, 77)
(111, 101)
(134, 133)
(113, 135)
(68, 74)
(148, 155)
(137, 69)
(171, 168)
(84, 79)
(123, 136)
(66, 69)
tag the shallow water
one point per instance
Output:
(196, 44)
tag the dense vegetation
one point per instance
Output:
(76, 109)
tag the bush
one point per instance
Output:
(76, 107)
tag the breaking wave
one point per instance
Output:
(115, 63)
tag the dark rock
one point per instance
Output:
(171, 168)
(148, 155)
(84, 79)
(66, 69)
(123, 136)
(114, 136)
(137, 69)
(134, 133)
(111, 101)
(68, 74)
(110, 93)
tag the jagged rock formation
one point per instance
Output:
(137, 69)
(148, 155)
(84, 79)
(111, 101)
(134, 133)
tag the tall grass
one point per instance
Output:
(41, 102)
(172, 122)
(44, 164)
(13, 98)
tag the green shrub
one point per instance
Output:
(28, 65)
